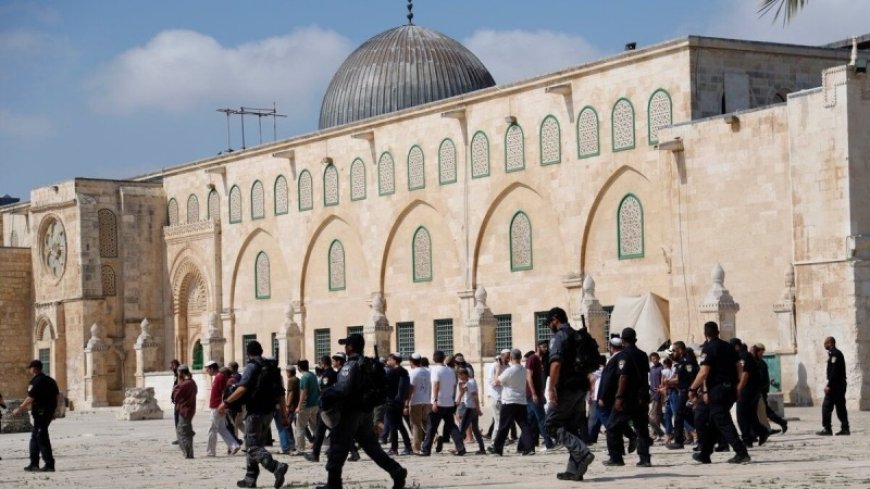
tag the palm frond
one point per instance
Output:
(787, 8)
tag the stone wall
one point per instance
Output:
(16, 319)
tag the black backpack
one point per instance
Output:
(586, 353)
(267, 387)
(373, 382)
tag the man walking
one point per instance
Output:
(218, 422)
(764, 380)
(262, 388)
(513, 405)
(306, 412)
(748, 395)
(419, 403)
(443, 406)
(184, 394)
(636, 398)
(42, 400)
(835, 391)
(535, 414)
(398, 382)
(685, 370)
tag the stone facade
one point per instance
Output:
(452, 224)
(16, 318)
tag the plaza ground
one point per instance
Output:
(95, 450)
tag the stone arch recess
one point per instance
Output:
(391, 236)
(310, 249)
(42, 324)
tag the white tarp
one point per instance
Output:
(644, 315)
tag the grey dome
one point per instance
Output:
(397, 69)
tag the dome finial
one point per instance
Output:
(410, 12)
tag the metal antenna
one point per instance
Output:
(410, 12)
(250, 111)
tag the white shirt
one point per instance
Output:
(420, 379)
(513, 381)
(446, 377)
(468, 397)
(597, 385)
(491, 375)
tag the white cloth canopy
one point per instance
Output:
(644, 314)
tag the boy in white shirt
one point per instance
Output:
(513, 404)
(443, 406)
(468, 393)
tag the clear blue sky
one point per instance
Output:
(114, 89)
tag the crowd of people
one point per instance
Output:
(546, 399)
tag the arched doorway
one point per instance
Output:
(196, 363)
(191, 301)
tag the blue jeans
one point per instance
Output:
(284, 435)
(599, 419)
(670, 410)
(535, 417)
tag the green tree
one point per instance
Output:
(787, 8)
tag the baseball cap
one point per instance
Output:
(355, 340)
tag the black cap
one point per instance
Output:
(629, 334)
(355, 340)
(35, 364)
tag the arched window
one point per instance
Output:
(258, 200)
(262, 276)
(235, 205)
(214, 205)
(107, 278)
(421, 249)
(386, 175)
(588, 143)
(306, 199)
(551, 141)
(447, 162)
(622, 129)
(521, 242)
(416, 169)
(108, 233)
(629, 231)
(330, 185)
(282, 196)
(172, 210)
(336, 266)
(197, 356)
(514, 149)
(357, 180)
(192, 209)
(659, 114)
(479, 155)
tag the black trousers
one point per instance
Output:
(619, 425)
(435, 418)
(566, 423)
(771, 414)
(39, 441)
(681, 414)
(395, 425)
(317, 444)
(719, 421)
(510, 414)
(355, 427)
(747, 417)
(835, 399)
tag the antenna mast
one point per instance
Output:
(252, 111)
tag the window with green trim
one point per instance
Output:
(197, 356)
(421, 250)
(330, 185)
(306, 199)
(622, 128)
(214, 205)
(282, 196)
(514, 149)
(321, 343)
(45, 358)
(521, 242)
(172, 211)
(630, 228)
(416, 169)
(336, 266)
(235, 205)
(542, 327)
(551, 141)
(386, 175)
(262, 277)
(357, 180)
(444, 336)
(258, 200)
(588, 140)
(659, 113)
(479, 155)
(447, 162)
(192, 209)
(504, 336)
(405, 338)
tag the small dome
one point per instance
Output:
(400, 68)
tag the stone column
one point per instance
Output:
(785, 315)
(96, 385)
(213, 341)
(146, 353)
(290, 339)
(719, 306)
(479, 337)
(594, 314)
(377, 329)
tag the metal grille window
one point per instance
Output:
(542, 329)
(247, 338)
(354, 330)
(503, 332)
(444, 335)
(405, 338)
(321, 342)
(276, 350)
(609, 311)
(45, 358)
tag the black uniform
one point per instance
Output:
(686, 369)
(43, 390)
(721, 388)
(836, 395)
(398, 383)
(632, 364)
(764, 385)
(260, 407)
(747, 401)
(354, 425)
(327, 380)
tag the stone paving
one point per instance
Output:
(95, 450)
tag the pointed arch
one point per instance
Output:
(416, 168)
(479, 155)
(305, 191)
(421, 255)
(629, 228)
(262, 277)
(107, 280)
(336, 266)
(588, 133)
(258, 200)
(520, 242)
(622, 122)
(192, 208)
(550, 139)
(386, 174)
(214, 205)
(108, 225)
(357, 180)
(659, 114)
(235, 205)
(281, 196)
(172, 212)
(514, 149)
(330, 185)
(447, 162)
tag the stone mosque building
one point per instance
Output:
(668, 185)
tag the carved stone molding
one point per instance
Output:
(194, 230)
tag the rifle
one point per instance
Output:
(583, 320)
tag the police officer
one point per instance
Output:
(632, 399)
(353, 423)
(835, 391)
(685, 368)
(338, 361)
(748, 395)
(42, 395)
(567, 391)
(607, 393)
(719, 372)
(261, 411)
